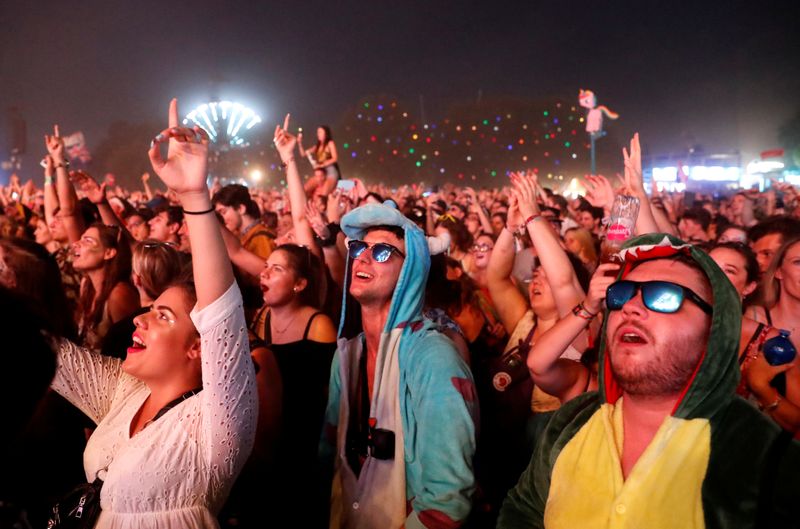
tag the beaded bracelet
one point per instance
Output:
(532, 218)
(580, 311)
(771, 406)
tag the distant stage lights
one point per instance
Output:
(226, 122)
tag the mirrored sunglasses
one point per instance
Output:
(381, 251)
(659, 296)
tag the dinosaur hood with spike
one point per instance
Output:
(715, 460)
(716, 376)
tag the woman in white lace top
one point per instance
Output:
(172, 469)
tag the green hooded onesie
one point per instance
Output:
(715, 462)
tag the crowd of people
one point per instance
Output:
(367, 356)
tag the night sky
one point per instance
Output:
(722, 75)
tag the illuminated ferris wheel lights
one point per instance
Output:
(225, 105)
(223, 121)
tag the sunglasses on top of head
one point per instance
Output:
(381, 251)
(659, 296)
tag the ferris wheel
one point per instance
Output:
(226, 122)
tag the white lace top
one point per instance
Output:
(178, 471)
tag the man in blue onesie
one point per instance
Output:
(402, 409)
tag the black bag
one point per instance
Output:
(79, 508)
(510, 369)
(511, 383)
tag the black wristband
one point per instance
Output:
(334, 228)
(198, 212)
(333, 231)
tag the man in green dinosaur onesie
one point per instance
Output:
(665, 442)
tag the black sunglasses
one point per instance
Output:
(658, 296)
(381, 251)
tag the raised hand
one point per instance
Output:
(513, 216)
(96, 193)
(284, 141)
(335, 206)
(145, 177)
(185, 169)
(430, 199)
(602, 278)
(682, 176)
(543, 197)
(360, 188)
(633, 166)
(353, 197)
(316, 221)
(524, 188)
(599, 192)
(55, 145)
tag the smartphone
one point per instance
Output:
(43, 163)
(346, 185)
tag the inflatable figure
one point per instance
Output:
(594, 116)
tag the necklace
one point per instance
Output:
(280, 331)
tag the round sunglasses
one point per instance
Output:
(381, 251)
(658, 296)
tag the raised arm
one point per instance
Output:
(229, 396)
(498, 275)
(239, 255)
(285, 144)
(148, 192)
(300, 148)
(565, 378)
(96, 193)
(599, 192)
(553, 258)
(645, 222)
(67, 198)
(50, 195)
(477, 207)
(185, 171)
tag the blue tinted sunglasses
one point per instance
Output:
(381, 251)
(658, 296)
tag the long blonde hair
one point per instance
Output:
(772, 285)
(587, 253)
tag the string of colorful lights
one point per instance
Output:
(382, 139)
